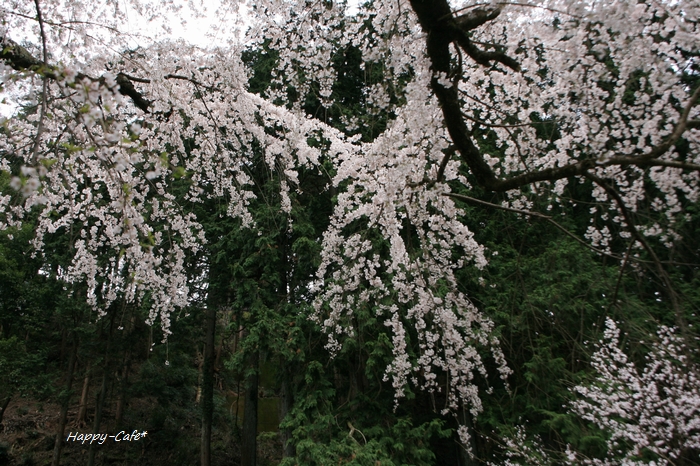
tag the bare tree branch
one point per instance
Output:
(549, 219)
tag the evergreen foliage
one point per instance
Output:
(490, 307)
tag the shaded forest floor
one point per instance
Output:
(28, 431)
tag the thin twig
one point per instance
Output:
(44, 90)
(549, 219)
(504, 125)
(539, 6)
(619, 275)
(680, 320)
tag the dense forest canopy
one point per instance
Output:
(369, 172)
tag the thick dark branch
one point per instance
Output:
(477, 17)
(449, 152)
(126, 88)
(640, 162)
(458, 29)
(20, 59)
(482, 57)
(434, 16)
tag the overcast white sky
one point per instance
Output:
(216, 28)
(198, 31)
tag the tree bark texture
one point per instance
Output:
(207, 386)
(99, 408)
(250, 415)
(3, 406)
(65, 403)
(285, 405)
(82, 411)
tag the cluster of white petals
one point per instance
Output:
(655, 408)
(608, 75)
(103, 174)
(598, 96)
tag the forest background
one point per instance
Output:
(425, 233)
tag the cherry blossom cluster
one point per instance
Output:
(521, 450)
(394, 245)
(654, 408)
(650, 414)
(609, 75)
(102, 173)
(86, 173)
(517, 97)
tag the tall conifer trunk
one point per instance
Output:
(99, 408)
(207, 397)
(250, 415)
(286, 394)
(65, 403)
(123, 385)
(3, 406)
(82, 411)
(286, 403)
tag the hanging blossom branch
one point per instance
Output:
(20, 59)
(604, 134)
(652, 148)
(654, 409)
(102, 167)
(396, 187)
(555, 69)
(651, 414)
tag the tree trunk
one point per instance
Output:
(64, 344)
(123, 380)
(250, 416)
(103, 395)
(219, 352)
(207, 385)
(200, 377)
(82, 411)
(98, 414)
(3, 406)
(65, 402)
(123, 385)
(150, 342)
(286, 403)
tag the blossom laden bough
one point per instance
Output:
(517, 99)
(654, 409)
